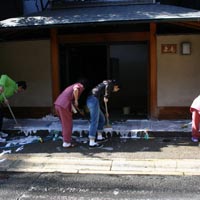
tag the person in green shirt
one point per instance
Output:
(8, 88)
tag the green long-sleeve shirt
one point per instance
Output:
(9, 86)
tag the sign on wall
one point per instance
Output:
(168, 48)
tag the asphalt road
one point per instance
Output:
(51, 186)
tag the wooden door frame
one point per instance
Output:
(153, 73)
(105, 38)
(55, 69)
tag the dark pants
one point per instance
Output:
(1, 116)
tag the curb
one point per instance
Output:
(46, 163)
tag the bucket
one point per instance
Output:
(126, 110)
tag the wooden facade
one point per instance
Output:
(110, 37)
(154, 111)
(77, 32)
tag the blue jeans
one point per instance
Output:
(97, 118)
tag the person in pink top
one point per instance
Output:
(64, 105)
(195, 110)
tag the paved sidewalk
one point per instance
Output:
(169, 154)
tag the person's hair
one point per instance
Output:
(22, 84)
(84, 82)
(115, 82)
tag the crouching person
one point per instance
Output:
(98, 94)
(64, 105)
(8, 88)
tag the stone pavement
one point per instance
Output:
(164, 153)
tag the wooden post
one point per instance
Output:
(153, 72)
(55, 64)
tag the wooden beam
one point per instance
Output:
(55, 64)
(104, 37)
(194, 25)
(153, 71)
(174, 112)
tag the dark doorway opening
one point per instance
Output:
(83, 61)
(128, 63)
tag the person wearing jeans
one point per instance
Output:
(97, 117)
(101, 92)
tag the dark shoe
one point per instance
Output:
(102, 140)
(96, 145)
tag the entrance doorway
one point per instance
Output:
(127, 63)
(88, 61)
(83, 61)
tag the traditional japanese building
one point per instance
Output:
(151, 48)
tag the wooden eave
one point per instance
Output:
(188, 24)
(104, 37)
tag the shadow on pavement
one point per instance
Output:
(115, 145)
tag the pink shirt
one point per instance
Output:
(66, 98)
(195, 104)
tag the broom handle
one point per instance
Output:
(106, 106)
(9, 108)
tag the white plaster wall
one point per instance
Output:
(178, 75)
(29, 61)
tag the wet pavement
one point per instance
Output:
(162, 153)
(132, 150)
(50, 123)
